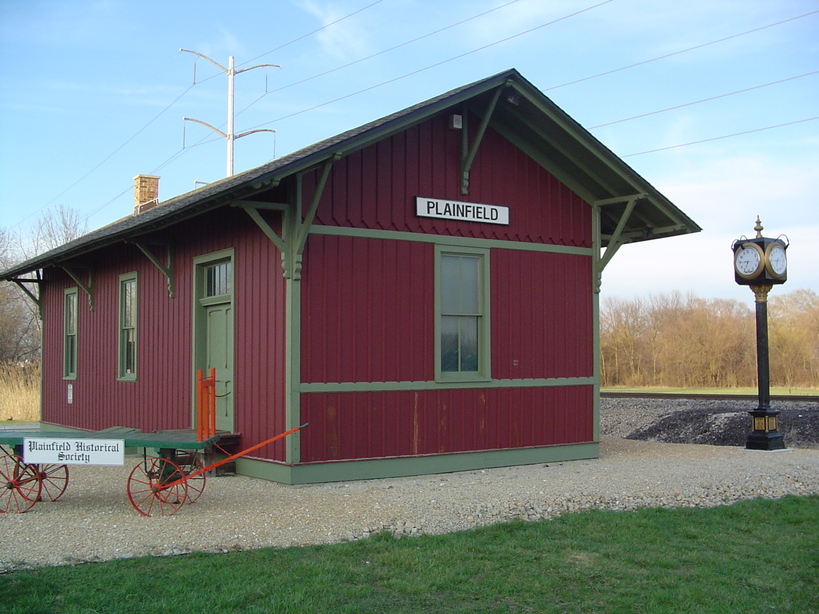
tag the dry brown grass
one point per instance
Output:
(20, 393)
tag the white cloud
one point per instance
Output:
(345, 40)
(724, 196)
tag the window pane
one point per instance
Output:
(449, 344)
(450, 284)
(70, 355)
(469, 285)
(71, 314)
(129, 350)
(129, 304)
(218, 279)
(468, 328)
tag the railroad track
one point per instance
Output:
(707, 397)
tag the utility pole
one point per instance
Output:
(230, 136)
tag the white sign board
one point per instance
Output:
(60, 451)
(456, 210)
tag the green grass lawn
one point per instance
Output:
(754, 556)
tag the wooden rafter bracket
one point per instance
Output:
(304, 227)
(254, 214)
(166, 268)
(88, 288)
(19, 281)
(468, 152)
(617, 238)
(293, 237)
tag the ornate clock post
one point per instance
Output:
(761, 263)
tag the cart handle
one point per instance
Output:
(231, 457)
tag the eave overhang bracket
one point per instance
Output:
(34, 297)
(88, 288)
(304, 227)
(167, 268)
(295, 230)
(468, 152)
(618, 238)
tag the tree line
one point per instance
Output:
(680, 340)
(671, 340)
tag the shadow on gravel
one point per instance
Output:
(728, 427)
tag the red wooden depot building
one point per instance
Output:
(422, 290)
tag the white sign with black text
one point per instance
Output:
(63, 451)
(456, 210)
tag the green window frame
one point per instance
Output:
(70, 315)
(462, 322)
(127, 328)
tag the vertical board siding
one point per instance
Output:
(349, 426)
(367, 314)
(368, 304)
(424, 160)
(259, 369)
(162, 395)
(367, 310)
(541, 315)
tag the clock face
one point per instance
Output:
(777, 260)
(748, 261)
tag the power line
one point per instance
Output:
(177, 154)
(104, 160)
(688, 104)
(316, 31)
(393, 48)
(435, 65)
(725, 136)
(668, 55)
(459, 56)
(203, 142)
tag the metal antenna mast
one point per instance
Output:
(230, 136)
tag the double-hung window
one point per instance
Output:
(463, 314)
(70, 334)
(128, 327)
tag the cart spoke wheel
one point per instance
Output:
(54, 479)
(153, 489)
(19, 484)
(191, 463)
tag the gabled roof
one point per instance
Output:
(524, 115)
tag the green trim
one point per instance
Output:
(395, 235)
(166, 269)
(597, 273)
(418, 465)
(71, 351)
(303, 230)
(87, 288)
(122, 375)
(292, 358)
(466, 160)
(556, 382)
(254, 214)
(484, 372)
(199, 305)
(36, 299)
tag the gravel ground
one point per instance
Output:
(93, 521)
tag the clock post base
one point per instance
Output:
(765, 435)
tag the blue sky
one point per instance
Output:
(92, 92)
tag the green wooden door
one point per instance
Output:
(213, 326)
(219, 343)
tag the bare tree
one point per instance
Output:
(20, 331)
(794, 338)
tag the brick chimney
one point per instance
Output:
(146, 193)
